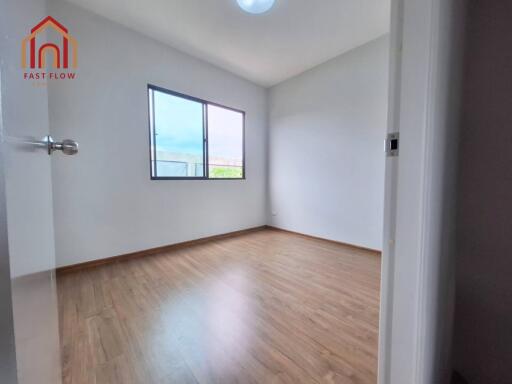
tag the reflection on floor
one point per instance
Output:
(265, 307)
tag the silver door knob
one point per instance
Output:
(68, 147)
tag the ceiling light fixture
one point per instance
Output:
(256, 6)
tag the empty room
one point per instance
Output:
(195, 190)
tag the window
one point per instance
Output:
(193, 138)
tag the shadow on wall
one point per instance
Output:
(483, 315)
(458, 379)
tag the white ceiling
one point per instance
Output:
(292, 37)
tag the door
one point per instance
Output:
(29, 209)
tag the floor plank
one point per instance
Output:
(264, 307)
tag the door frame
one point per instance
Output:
(417, 287)
(390, 195)
(8, 372)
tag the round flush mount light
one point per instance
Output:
(256, 6)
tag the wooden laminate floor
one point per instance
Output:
(265, 307)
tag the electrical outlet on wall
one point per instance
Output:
(274, 213)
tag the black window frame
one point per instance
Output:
(206, 165)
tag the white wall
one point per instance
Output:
(327, 128)
(105, 203)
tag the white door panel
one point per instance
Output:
(28, 202)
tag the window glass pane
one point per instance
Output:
(225, 143)
(178, 139)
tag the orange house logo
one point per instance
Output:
(36, 53)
